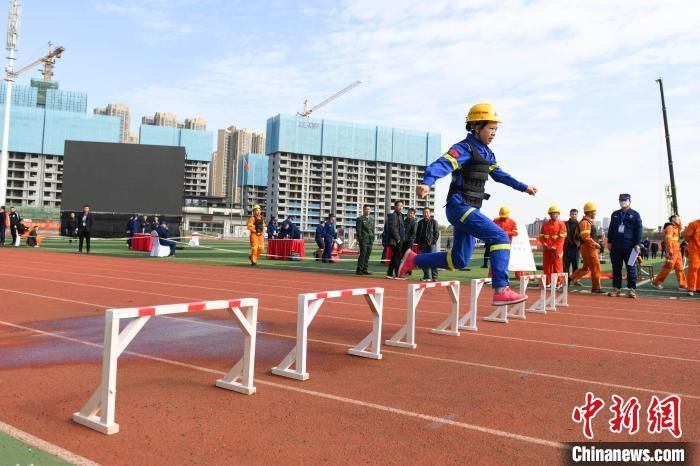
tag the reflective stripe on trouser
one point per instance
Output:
(619, 255)
(552, 263)
(469, 223)
(693, 271)
(591, 263)
(676, 263)
(257, 246)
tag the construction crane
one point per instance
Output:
(48, 60)
(307, 111)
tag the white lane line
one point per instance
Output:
(342, 399)
(48, 447)
(277, 285)
(232, 290)
(479, 334)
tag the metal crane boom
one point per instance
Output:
(49, 59)
(307, 111)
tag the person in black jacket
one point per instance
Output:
(3, 225)
(84, 228)
(572, 243)
(409, 237)
(427, 234)
(14, 222)
(395, 233)
(71, 228)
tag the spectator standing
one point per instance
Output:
(131, 229)
(84, 229)
(364, 227)
(14, 222)
(645, 248)
(552, 237)
(329, 236)
(319, 235)
(572, 243)
(144, 225)
(395, 233)
(3, 225)
(71, 229)
(409, 237)
(624, 235)
(654, 249)
(427, 235)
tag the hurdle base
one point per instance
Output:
(290, 374)
(400, 344)
(364, 354)
(495, 319)
(452, 333)
(236, 387)
(93, 422)
(470, 328)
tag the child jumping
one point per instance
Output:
(471, 162)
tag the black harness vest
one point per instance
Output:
(474, 175)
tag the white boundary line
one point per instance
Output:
(480, 334)
(364, 404)
(48, 447)
(234, 290)
(277, 285)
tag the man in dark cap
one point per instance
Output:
(624, 236)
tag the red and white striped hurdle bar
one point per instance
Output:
(99, 412)
(308, 306)
(406, 336)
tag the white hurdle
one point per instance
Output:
(308, 306)
(449, 326)
(99, 412)
(563, 299)
(539, 306)
(468, 321)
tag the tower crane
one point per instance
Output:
(48, 60)
(307, 111)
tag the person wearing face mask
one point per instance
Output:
(624, 235)
(471, 162)
(674, 258)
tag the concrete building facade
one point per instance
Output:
(317, 167)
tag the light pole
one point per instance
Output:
(12, 35)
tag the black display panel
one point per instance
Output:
(123, 178)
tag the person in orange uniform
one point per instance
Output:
(508, 225)
(674, 259)
(256, 225)
(589, 250)
(692, 236)
(552, 237)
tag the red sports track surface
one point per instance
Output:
(502, 395)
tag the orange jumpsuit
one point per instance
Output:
(692, 236)
(256, 225)
(552, 238)
(672, 238)
(589, 255)
(511, 228)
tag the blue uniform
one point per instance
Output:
(163, 235)
(286, 229)
(329, 234)
(624, 233)
(468, 221)
(319, 235)
(272, 230)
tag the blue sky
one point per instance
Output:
(573, 81)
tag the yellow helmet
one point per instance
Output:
(589, 207)
(256, 206)
(482, 112)
(504, 212)
(554, 209)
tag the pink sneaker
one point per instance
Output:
(408, 263)
(508, 296)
